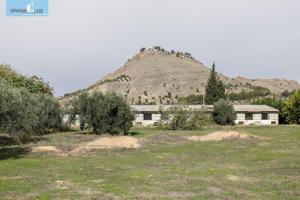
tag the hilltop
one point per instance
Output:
(155, 75)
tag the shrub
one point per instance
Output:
(223, 113)
(142, 49)
(33, 84)
(23, 113)
(104, 113)
(191, 100)
(291, 108)
(256, 92)
(180, 118)
(273, 102)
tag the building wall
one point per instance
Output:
(139, 119)
(273, 118)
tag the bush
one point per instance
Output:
(255, 93)
(104, 113)
(191, 100)
(33, 84)
(179, 118)
(23, 113)
(275, 103)
(291, 108)
(142, 49)
(223, 113)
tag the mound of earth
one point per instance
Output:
(45, 149)
(107, 143)
(224, 135)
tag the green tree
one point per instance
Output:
(275, 103)
(23, 113)
(33, 84)
(104, 113)
(215, 89)
(291, 108)
(223, 113)
(80, 109)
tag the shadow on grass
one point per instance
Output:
(134, 133)
(6, 141)
(10, 148)
(89, 132)
(13, 152)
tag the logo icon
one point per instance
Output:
(30, 7)
(27, 7)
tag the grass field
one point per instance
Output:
(165, 167)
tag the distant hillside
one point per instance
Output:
(158, 76)
(34, 84)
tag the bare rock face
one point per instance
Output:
(158, 76)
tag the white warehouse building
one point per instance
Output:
(149, 115)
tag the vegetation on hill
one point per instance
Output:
(191, 100)
(256, 92)
(33, 84)
(160, 72)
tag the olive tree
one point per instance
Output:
(223, 113)
(23, 113)
(104, 113)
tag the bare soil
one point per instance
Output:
(107, 143)
(224, 135)
(45, 149)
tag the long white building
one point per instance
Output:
(149, 115)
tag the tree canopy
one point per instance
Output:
(104, 113)
(223, 113)
(291, 108)
(33, 84)
(215, 89)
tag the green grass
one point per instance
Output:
(165, 167)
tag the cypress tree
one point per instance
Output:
(215, 89)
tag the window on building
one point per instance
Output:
(249, 116)
(147, 116)
(264, 116)
(240, 116)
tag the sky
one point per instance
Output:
(81, 41)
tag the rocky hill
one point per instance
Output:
(158, 76)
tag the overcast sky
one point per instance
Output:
(82, 40)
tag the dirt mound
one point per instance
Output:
(107, 143)
(45, 149)
(224, 135)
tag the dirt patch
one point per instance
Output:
(224, 135)
(99, 143)
(239, 179)
(45, 149)
(107, 143)
(62, 185)
(11, 178)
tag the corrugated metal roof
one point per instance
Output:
(254, 108)
(237, 108)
